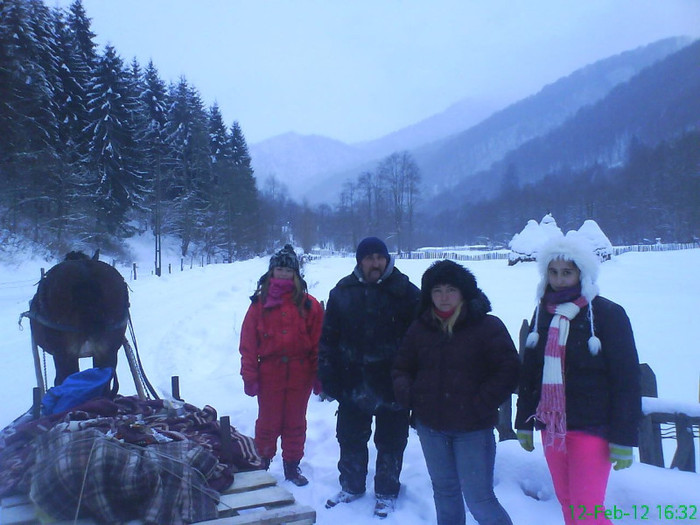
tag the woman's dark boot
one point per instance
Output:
(292, 473)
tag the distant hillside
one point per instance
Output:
(305, 159)
(444, 163)
(659, 103)
(300, 158)
(458, 117)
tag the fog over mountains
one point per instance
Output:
(464, 140)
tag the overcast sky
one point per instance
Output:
(356, 70)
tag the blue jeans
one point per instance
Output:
(460, 465)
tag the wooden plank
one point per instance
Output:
(19, 515)
(684, 458)
(25, 514)
(668, 417)
(250, 493)
(650, 450)
(253, 479)
(255, 498)
(296, 514)
(13, 501)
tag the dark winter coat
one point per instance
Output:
(457, 382)
(362, 329)
(602, 391)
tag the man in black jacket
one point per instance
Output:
(367, 315)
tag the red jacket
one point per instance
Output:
(280, 333)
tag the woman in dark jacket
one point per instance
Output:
(580, 379)
(456, 365)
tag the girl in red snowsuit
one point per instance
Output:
(279, 359)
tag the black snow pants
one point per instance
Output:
(353, 430)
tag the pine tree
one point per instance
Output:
(116, 184)
(188, 163)
(245, 202)
(83, 37)
(27, 111)
(154, 111)
(216, 224)
(71, 115)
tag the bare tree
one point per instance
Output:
(399, 175)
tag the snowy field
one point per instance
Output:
(188, 324)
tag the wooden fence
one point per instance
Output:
(487, 255)
(618, 250)
(666, 424)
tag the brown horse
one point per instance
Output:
(80, 309)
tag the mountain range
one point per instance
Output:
(468, 146)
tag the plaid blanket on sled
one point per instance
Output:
(130, 421)
(89, 474)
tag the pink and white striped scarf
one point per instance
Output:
(551, 409)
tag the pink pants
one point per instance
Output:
(580, 476)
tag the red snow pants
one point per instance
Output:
(285, 388)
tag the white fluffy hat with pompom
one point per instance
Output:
(572, 247)
(578, 249)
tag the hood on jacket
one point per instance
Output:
(476, 304)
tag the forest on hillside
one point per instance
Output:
(96, 149)
(654, 193)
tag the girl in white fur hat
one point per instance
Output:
(580, 380)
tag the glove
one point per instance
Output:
(318, 387)
(525, 439)
(620, 456)
(251, 388)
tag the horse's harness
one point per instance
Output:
(48, 323)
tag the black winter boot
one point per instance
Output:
(292, 473)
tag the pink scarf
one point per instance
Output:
(551, 409)
(278, 289)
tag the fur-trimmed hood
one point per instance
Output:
(476, 304)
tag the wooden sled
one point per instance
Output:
(253, 499)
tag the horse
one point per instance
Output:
(80, 309)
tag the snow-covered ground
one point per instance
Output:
(188, 324)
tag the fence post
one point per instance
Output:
(175, 387)
(684, 458)
(650, 450)
(37, 394)
(226, 441)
